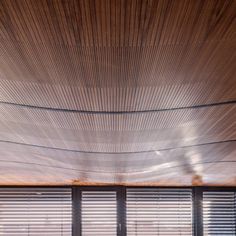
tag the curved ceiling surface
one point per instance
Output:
(118, 92)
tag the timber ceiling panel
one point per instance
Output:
(127, 132)
(118, 92)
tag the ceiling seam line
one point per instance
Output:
(116, 153)
(109, 172)
(232, 102)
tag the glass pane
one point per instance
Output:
(219, 213)
(99, 213)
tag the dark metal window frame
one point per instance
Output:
(121, 207)
(121, 204)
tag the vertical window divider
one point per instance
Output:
(121, 211)
(197, 211)
(76, 211)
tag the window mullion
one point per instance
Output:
(76, 209)
(197, 212)
(121, 211)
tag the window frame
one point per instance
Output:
(197, 193)
(76, 209)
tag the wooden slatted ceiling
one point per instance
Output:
(131, 132)
(182, 166)
(100, 77)
(107, 55)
